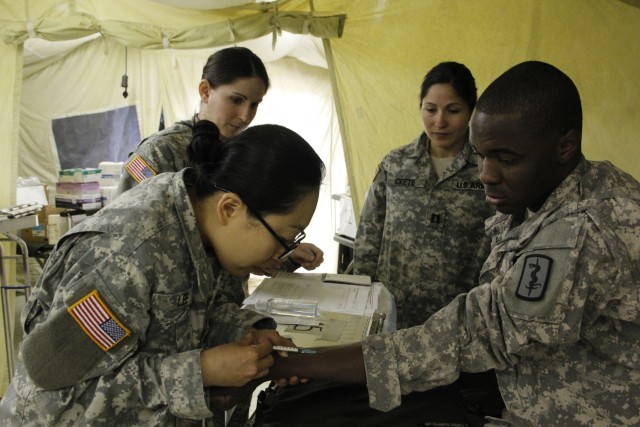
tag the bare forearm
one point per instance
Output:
(343, 364)
(340, 364)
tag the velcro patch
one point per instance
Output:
(534, 278)
(98, 322)
(139, 169)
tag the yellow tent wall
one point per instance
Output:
(388, 46)
(385, 49)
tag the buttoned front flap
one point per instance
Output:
(170, 319)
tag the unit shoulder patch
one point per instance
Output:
(534, 278)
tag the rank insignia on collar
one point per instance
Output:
(534, 278)
(95, 319)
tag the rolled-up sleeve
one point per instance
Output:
(182, 381)
(382, 372)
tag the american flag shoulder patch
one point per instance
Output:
(95, 319)
(139, 169)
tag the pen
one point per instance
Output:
(294, 349)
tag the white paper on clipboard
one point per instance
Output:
(334, 297)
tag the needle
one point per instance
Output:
(294, 349)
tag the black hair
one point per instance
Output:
(455, 74)
(227, 65)
(205, 138)
(269, 166)
(546, 99)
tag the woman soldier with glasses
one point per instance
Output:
(126, 325)
(287, 246)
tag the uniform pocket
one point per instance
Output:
(170, 317)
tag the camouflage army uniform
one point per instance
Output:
(165, 151)
(157, 286)
(423, 237)
(557, 313)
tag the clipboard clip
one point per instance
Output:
(377, 322)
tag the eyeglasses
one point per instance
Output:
(288, 247)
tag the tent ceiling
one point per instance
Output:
(205, 4)
(375, 63)
(202, 29)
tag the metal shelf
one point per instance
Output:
(6, 228)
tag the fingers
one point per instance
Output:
(282, 382)
(257, 362)
(249, 338)
(308, 256)
(247, 360)
(238, 363)
(262, 348)
(272, 337)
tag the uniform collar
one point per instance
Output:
(462, 159)
(421, 145)
(205, 268)
(563, 200)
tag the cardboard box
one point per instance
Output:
(35, 234)
(38, 234)
(79, 175)
(77, 189)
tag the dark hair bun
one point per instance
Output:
(204, 143)
(206, 129)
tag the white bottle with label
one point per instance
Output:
(57, 226)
